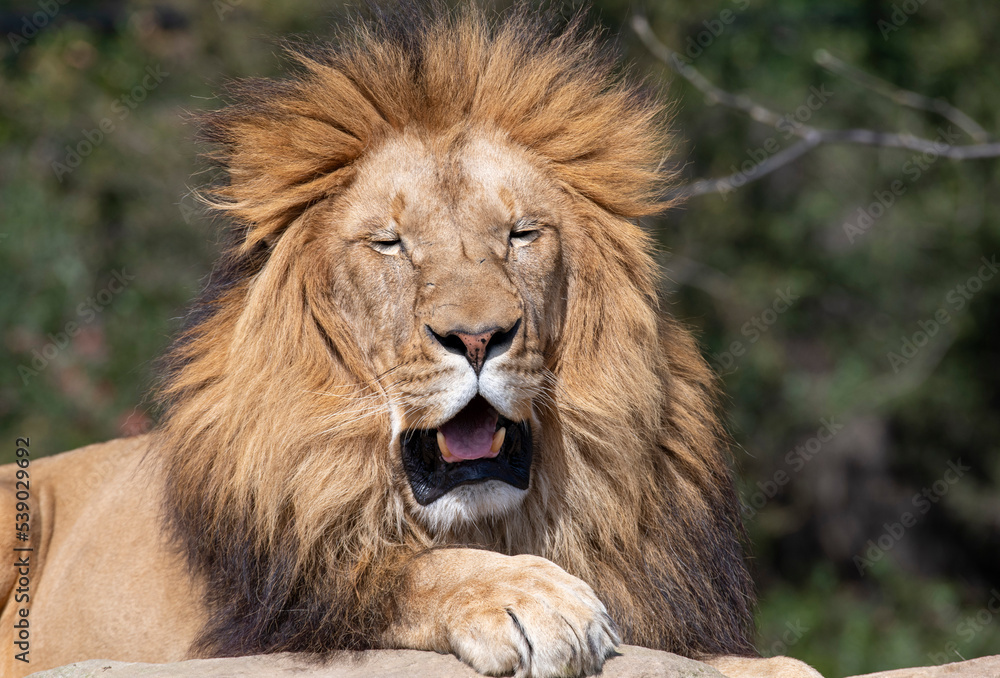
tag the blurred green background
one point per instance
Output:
(871, 483)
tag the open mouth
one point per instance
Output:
(476, 445)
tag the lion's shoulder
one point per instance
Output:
(96, 526)
(81, 472)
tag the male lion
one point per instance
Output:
(428, 400)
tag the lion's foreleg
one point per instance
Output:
(502, 613)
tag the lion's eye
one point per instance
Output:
(386, 246)
(524, 236)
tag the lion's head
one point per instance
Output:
(438, 324)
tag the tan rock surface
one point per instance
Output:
(986, 667)
(634, 662)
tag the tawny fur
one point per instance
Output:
(277, 465)
(269, 461)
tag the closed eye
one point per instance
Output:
(386, 246)
(524, 236)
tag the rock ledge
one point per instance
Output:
(633, 662)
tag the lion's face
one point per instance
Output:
(446, 262)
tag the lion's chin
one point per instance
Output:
(432, 478)
(470, 504)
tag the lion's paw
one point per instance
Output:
(532, 618)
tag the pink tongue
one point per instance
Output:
(469, 434)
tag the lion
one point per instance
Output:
(428, 399)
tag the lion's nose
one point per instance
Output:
(477, 347)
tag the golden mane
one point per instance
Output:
(281, 486)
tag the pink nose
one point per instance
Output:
(475, 346)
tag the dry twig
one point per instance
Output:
(810, 136)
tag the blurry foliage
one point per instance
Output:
(127, 209)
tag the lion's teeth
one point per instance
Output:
(498, 440)
(443, 446)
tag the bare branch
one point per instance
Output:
(714, 94)
(901, 96)
(811, 136)
(734, 181)
(867, 137)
